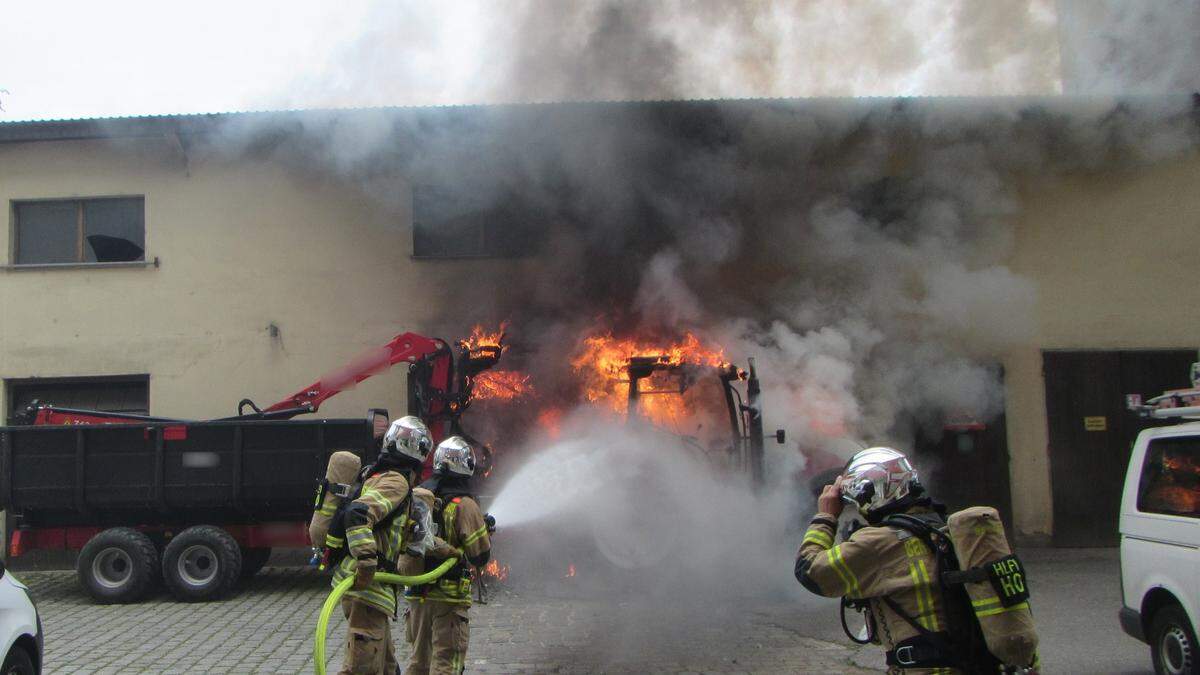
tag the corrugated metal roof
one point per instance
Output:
(198, 123)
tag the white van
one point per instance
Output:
(1160, 537)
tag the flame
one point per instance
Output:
(501, 385)
(480, 337)
(495, 571)
(570, 571)
(550, 420)
(602, 363)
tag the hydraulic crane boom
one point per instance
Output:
(439, 388)
(407, 347)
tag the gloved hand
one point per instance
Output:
(364, 573)
(830, 500)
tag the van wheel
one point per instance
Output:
(18, 662)
(253, 560)
(118, 565)
(201, 563)
(1172, 642)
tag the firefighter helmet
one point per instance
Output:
(454, 457)
(880, 481)
(407, 437)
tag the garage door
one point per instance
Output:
(1091, 432)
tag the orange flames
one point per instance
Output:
(496, 385)
(502, 385)
(602, 364)
(495, 571)
(570, 571)
(480, 337)
(550, 420)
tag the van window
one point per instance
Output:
(1171, 477)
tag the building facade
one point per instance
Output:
(249, 277)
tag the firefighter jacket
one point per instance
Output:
(872, 564)
(462, 526)
(382, 505)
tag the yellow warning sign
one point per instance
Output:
(1095, 424)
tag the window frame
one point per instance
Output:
(490, 243)
(80, 233)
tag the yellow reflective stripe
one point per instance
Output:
(928, 587)
(334, 542)
(818, 537)
(377, 497)
(448, 515)
(986, 602)
(327, 510)
(475, 536)
(1000, 610)
(843, 570)
(922, 608)
(833, 564)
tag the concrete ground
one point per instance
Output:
(267, 628)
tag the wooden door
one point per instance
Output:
(1091, 432)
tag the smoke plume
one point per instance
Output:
(857, 249)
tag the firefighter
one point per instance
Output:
(375, 526)
(438, 626)
(889, 568)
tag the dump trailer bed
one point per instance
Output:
(197, 504)
(175, 473)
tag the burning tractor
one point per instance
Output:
(650, 413)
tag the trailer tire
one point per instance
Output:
(253, 560)
(118, 565)
(201, 563)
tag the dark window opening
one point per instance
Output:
(1170, 481)
(454, 224)
(110, 229)
(121, 394)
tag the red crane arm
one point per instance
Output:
(407, 347)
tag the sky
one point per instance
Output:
(126, 57)
(64, 59)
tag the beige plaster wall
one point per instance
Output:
(1114, 259)
(243, 243)
(247, 242)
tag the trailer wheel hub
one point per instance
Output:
(197, 565)
(112, 568)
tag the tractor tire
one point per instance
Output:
(201, 563)
(253, 560)
(119, 565)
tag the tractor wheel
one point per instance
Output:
(119, 565)
(201, 563)
(253, 560)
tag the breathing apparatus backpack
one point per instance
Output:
(984, 590)
(334, 499)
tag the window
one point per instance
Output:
(456, 224)
(1170, 481)
(110, 229)
(121, 394)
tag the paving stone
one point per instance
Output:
(267, 627)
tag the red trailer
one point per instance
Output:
(198, 504)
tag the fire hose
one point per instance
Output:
(338, 591)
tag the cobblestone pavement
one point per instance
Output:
(267, 627)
